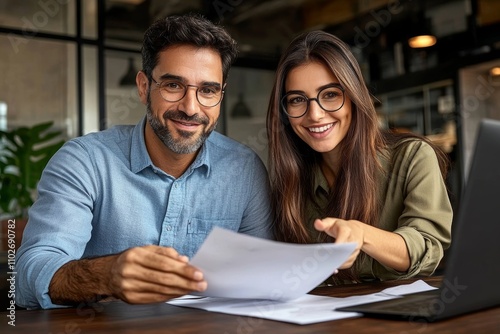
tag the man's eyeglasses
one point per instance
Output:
(173, 91)
(330, 98)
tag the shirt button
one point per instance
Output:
(176, 185)
(169, 228)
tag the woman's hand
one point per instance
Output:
(343, 231)
(388, 248)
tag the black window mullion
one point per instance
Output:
(101, 9)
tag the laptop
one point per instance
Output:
(472, 271)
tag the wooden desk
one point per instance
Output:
(119, 317)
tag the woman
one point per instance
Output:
(335, 175)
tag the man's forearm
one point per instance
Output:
(81, 280)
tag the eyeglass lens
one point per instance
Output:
(329, 99)
(173, 91)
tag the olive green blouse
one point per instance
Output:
(415, 205)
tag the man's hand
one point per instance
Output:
(153, 274)
(138, 275)
(343, 231)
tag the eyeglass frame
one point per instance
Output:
(158, 85)
(308, 99)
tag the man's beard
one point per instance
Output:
(187, 143)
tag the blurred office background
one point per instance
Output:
(74, 62)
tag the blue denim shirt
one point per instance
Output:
(101, 194)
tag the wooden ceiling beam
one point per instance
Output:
(328, 13)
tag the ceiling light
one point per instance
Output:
(420, 30)
(240, 108)
(495, 71)
(422, 41)
(128, 78)
(494, 76)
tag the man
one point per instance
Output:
(120, 211)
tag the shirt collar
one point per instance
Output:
(202, 159)
(320, 183)
(140, 159)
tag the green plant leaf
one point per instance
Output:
(24, 153)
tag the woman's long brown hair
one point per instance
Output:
(292, 162)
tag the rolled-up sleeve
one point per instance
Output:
(64, 204)
(425, 223)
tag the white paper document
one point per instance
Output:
(304, 310)
(241, 266)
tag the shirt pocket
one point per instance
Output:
(198, 230)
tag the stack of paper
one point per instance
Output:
(268, 279)
(304, 310)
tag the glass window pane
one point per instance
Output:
(122, 100)
(246, 101)
(127, 20)
(33, 16)
(90, 90)
(36, 91)
(3, 115)
(405, 112)
(89, 19)
(441, 108)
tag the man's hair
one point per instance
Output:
(189, 29)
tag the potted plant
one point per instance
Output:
(24, 152)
